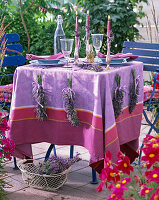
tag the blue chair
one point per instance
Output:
(148, 54)
(11, 60)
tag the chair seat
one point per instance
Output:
(148, 91)
(6, 93)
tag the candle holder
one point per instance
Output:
(77, 47)
(110, 37)
(87, 40)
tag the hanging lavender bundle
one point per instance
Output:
(118, 97)
(39, 96)
(134, 92)
(69, 99)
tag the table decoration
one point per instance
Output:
(87, 34)
(49, 174)
(92, 67)
(77, 41)
(109, 39)
(69, 101)
(34, 57)
(134, 92)
(118, 97)
(40, 99)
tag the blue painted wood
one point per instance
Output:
(13, 60)
(143, 52)
(15, 47)
(11, 37)
(141, 45)
(149, 55)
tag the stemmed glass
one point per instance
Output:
(97, 40)
(66, 47)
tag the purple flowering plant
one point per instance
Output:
(55, 164)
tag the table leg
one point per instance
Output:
(52, 146)
(94, 177)
(71, 151)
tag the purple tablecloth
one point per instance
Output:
(98, 130)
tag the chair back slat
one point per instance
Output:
(148, 53)
(15, 47)
(12, 37)
(13, 60)
(141, 45)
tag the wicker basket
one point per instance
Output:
(31, 176)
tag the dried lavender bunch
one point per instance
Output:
(118, 97)
(39, 96)
(134, 92)
(96, 68)
(55, 165)
(69, 99)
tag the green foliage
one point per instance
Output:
(41, 30)
(123, 20)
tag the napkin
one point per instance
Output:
(120, 55)
(34, 57)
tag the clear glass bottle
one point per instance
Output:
(59, 34)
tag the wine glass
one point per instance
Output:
(97, 40)
(66, 47)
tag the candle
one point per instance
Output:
(108, 27)
(87, 20)
(76, 22)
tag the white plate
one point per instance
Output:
(35, 62)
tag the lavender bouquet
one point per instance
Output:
(118, 97)
(55, 165)
(134, 92)
(40, 99)
(69, 99)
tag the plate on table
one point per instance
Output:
(36, 62)
(49, 61)
(115, 61)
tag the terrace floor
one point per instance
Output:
(77, 187)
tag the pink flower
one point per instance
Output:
(155, 195)
(124, 165)
(144, 190)
(118, 190)
(153, 175)
(100, 187)
(1, 154)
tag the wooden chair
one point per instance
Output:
(148, 54)
(11, 60)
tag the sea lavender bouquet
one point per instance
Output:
(118, 97)
(133, 183)
(134, 92)
(55, 165)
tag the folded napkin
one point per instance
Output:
(119, 55)
(33, 57)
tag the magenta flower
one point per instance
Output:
(124, 165)
(100, 187)
(155, 195)
(145, 190)
(153, 175)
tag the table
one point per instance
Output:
(98, 132)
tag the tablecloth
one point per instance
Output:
(98, 132)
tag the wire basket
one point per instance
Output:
(31, 176)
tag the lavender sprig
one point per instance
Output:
(118, 97)
(96, 68)
(69, 99)
(39, 96)
(55, 165)
(134, 92)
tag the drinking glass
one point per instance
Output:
(66, 47)
(97, 40)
